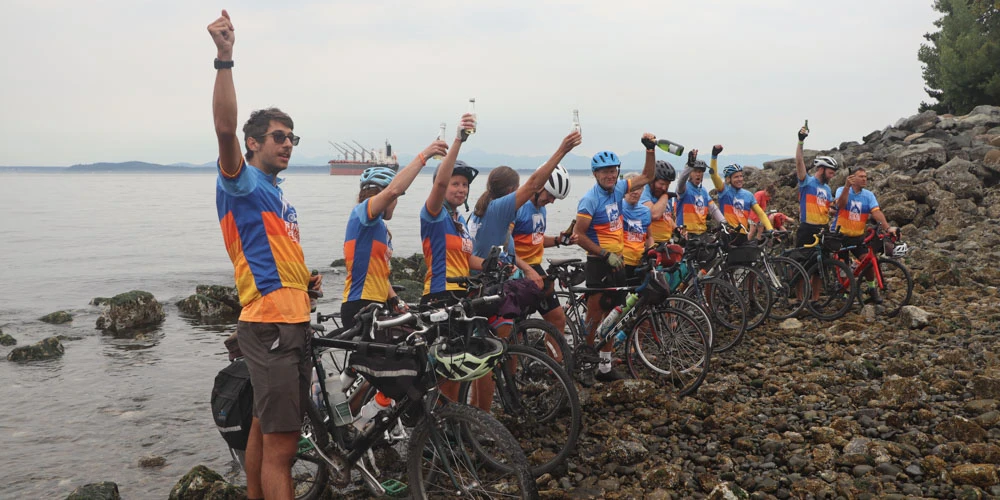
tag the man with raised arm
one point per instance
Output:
(693, 202)
(261, 233)
(855, 205)
(737, 203)
(600, 231)
(814, 193)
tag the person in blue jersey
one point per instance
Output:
(693, 203)
(856, 206)
(662, 227)
(495, 210)
(368, 243)
(815, 195)
(261, 233)
(599, 231)
(445, 239)
(736, 202)
(637, 220)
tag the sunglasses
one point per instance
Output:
(279, 137)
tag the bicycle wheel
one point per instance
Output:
(309, 471)
(692, 308)
(837, 289)
(445, 462)
(576, 316)
(537, 401)
(726, 307)
(792, 292)
(897, 285)
(753, 287)
(668, 346)
(543, 336)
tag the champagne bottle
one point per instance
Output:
(576, 120)
(441, 135)
(670, 146)
(472, 111)
(806, 126)
(564, 237)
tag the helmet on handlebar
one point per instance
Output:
(899, 250)
(465, 361)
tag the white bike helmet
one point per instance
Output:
(558, 183)
(461, 362)
(825, 161)
(900, 249)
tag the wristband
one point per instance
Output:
(423, 159)
(801, 142)
(650, 150)
(220, 64)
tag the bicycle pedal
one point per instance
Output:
(395, 488)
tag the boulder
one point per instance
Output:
(207, 309)
(202, 483)
(914, 317)
(7, 340)
(918, 123)
(46, 349)
(986, 387)
(958, 428)
(56, 318)
(982, 475)
(96, 491)
(129, 311)
(625, 452)
(956, 176)
(630, 391)
(900, 214)
(918, 156)
(225, 294)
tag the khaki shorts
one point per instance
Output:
(277, 355)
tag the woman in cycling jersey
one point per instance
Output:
(368, 242)
(445, 239)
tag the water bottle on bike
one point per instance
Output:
(379, 403)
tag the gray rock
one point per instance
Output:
(626, 453)
(152, 461)
(790, 324)
(96, 491)
(202, 483)
(46, 349)
(7, 340)
(956, 176)
(57, 318)
(129, 311)
(226, 294)
(919, 122)
(986, 387)
(918, 156)
(861, 470)
(208, 309)
(914, 317)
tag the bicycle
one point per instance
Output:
(786, 278)
(893, 283)
(734, 263)
(836, 284)
(445, 450)
(722, 300)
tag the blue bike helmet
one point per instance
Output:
(731, 169)
(377, 176)
(604, 159)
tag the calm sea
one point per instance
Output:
(66, 238)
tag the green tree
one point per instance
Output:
(962, 61)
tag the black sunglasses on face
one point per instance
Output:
(279, 137)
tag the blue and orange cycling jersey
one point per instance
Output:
(662, 228)
(529, 233)
(604, 210)
(447, 248)
(367, 252)
(692, 209)
(637, 222)
(814, 202)
(494, 227)
(737, 206)
(261, 232)
(854, 215)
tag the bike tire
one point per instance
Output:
(753, 287)
(669, 347)
(576, 316)
(897, 286)
(443, 455)
(310, 475)
(693, 308)
(793, 288)
(547, 417)
(543, 336)
(837, 289)
(727, 308)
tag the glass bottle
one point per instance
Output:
(670, 146)
(440, 137)
(576, 120)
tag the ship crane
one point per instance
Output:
(371, 154)
(340, 149)
(354, 152)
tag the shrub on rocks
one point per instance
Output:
(46, 349)
(129, 311)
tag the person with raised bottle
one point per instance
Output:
(736, 202)
(656, 197)
(600, 231)
(693, 201)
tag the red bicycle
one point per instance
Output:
(885, 281)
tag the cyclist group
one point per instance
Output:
(617, 220)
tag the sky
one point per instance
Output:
(121, 80)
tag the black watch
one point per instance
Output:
(223, 64)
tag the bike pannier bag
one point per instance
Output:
(232, 404)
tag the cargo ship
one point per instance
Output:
(353, 160)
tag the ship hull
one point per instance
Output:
(357, 168)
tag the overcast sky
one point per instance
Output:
(117, 80)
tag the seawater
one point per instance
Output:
(66, 238)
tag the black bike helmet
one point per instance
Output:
(463, 169)
(665, 171)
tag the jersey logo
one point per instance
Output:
(634, 230)
(855, 210)
(614, 217)
(290, 218)
(537, 229)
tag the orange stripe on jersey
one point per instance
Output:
(527, 249)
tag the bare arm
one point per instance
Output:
(845, 193)
(402, 181)
(538, 178)
(800, 162)
(880, 218)
(656, 209)
(224, 98)
(580, 230)
(443, 177)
